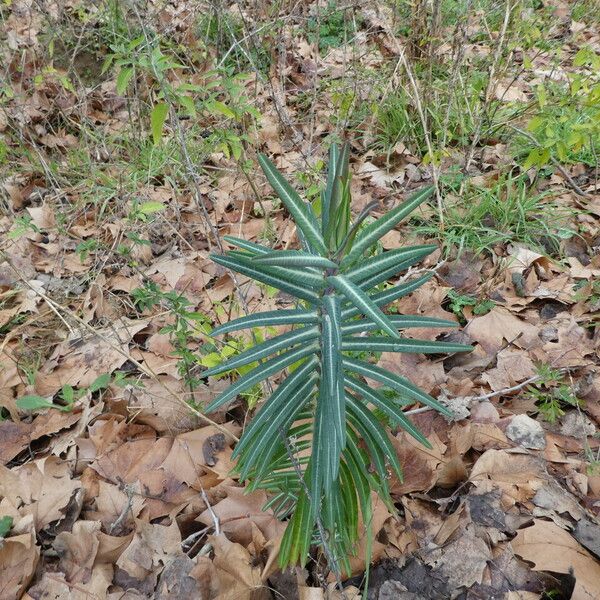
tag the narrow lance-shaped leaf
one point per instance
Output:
(302, 212)
(272, 318)
(295, 258)
(331, 364)
(261, 372)
(377, 278)
(326, 195)
(276, 402)
(362, 301)
(386, 260)
(266, 348)
(388, 407)
(388, 296)
(252, 247)
(398, 321)
(247, 268)
(400, 384)
(385, 344)
(372, 428)
(267, 439)
(305, 277)
(379, 228)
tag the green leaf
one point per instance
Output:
(375, 436)
(362, 301)
(298, 534)
(100, 383)
(261, 372)
(215, 106)
(381, 276)
(149, 208)
(276, 402)
(33, 402)
(300, 211)
(268, 347)
(386, 260)
(326, 195)
(388, 296)
(400, 384)
(158, 117)
(388, 407)
(398, 321)
(272, 318)
(256, 456)
(379, 228)
(247, 268)
(385, 344)
(246, 245)
(303, 277)
(6, 523)
(123, 79)
(295, 258)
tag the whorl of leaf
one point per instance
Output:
(335, 423)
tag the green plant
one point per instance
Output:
(460, 301)
(551, 394)
(566, 123)
(314, 441)
(506, 212)
(332, 28)
(67, 396)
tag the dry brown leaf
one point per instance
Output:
(152, 547)
(41, 489)
(79, 361)
(500, 326)
(237, 576)
(238, 510)
(518, 475)
(54, 586)
(551, 548)
(19, 556)
(77, 550)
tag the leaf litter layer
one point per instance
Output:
(114, 483)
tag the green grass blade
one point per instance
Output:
(272, 318)
(261, 372)
(400, 384)
(295, 258)
(300, 211)
(266, 348)
(398, 321)
(246, 267)
(385, 344)
(363, 302)
(379, 228)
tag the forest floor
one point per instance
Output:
(128, 140)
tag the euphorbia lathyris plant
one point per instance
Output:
(323, 412)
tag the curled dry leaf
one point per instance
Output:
(41, 489)
(19, 557)
(551, 548)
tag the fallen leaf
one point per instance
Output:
(551, 548)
